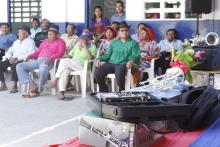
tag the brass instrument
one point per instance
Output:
(164, 82)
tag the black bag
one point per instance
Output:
(205, 107)
(138, 108)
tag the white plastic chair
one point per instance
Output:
(150, 70)
(128, 81)
(83, 77)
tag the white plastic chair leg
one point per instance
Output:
(83, 86)
(92, 82)
(97, 87)
(76, 83)
(113, 84)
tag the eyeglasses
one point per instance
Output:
(125, 30)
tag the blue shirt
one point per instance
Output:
(166, 45)
(118, 18)
(7, 40)
(35, 31)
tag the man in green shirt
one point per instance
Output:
(82, 51)
(120, 56)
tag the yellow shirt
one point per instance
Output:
(69, 40)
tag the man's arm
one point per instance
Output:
(35, 54)
(107, 55)
(135, 53)
(10, 51)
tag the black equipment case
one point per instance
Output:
(136, 107)
(211, 58)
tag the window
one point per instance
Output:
(69, 10)
(3, 11)
(165, 9)
(139, 10)
(25, 10)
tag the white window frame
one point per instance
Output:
(162, 10)
(3, 10)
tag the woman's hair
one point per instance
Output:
(142, 24)
(97, 7)
(112, 30)
(146, 30)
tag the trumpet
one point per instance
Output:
(164, 82)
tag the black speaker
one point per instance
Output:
(199, 6)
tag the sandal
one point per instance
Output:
(26, 95)
(30, 95)
(33, 94)
(14, 91)
(65, 98)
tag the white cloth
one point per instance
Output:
(69, 40)
(66, 65)
(21, 49)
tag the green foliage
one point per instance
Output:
(186, 56)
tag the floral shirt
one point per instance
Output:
(149, 50)
(103, 46)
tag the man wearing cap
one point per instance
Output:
(20, 49)
(43, 59)
(82, 51)
(41, 36)
(6, 39)
(120, 56)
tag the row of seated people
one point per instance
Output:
(118, 51)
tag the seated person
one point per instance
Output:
(166, 47)
(41, 36)
(109, 36)
(6, 39)
(20, 49)
(43, 59)
(119, 15)
(81, 52)
(35, 27)
(120, 56)
(149, 50)
(139, 27)
(70, 37)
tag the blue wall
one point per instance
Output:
(185, 28)
(63, 25)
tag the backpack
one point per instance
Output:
(205, 107)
